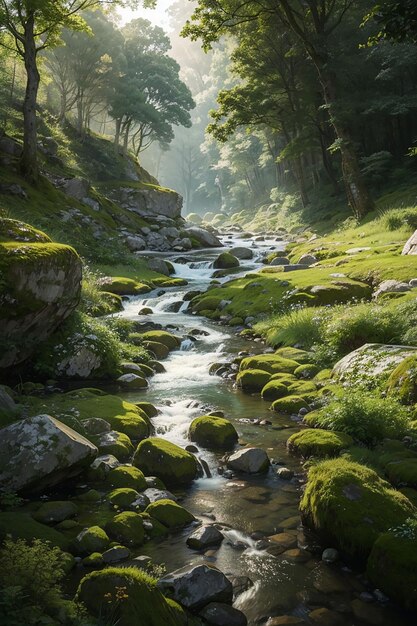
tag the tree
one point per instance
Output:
(315, 26)
(29, 27)
(396, 19)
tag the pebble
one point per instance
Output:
(330, 555)
(285, 473)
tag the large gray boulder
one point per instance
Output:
(40, 451)
(219, 614)
(149, 201)
(242, 253)
(40, 286)
(391, 286)
(77, 188)
(206, 239)
(135, 243)
(411, 245)
(195, 586)
(372, 360)
(205, 536)
(249, 460)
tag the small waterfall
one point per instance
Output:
(186, 345)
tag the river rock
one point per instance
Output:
(149, 202)
(249, 460)
(8, 407)
(242, 253)
(41, 451)
(96, 425)
(132, 381)
(116, 554)
(135, 243)
(285, 473)
(330, 555)
(204, 237)
(195, 586)
(307, 259)
(219, 614)
(205, 536)
(280, 260)
(411, 246)
(159, 494)
(54, 512)
(77, 188)
(102, 465)
(40, 287)
(391, 286)
(372, 360)
(160, 266)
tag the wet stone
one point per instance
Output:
(329, 581)
(326, 617)
(218, 614)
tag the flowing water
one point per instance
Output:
(247, 506)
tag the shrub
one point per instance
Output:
(365, 417)
(302, 327)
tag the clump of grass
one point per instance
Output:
(302, 327)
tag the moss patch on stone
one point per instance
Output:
(289, 405)
(269, 363)
(158, 457)
(169, 513)
(127, 476)
(213, 432)
(403, 381)
(318, 442)
(273, 390)
(253, 379)
(23, 526)
(127, 527)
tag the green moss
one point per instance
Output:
(123, 497)
(160, 336)
(273, 390)
(127, 527)
(402, 472)
(160, 350)
(117, 444)
(128, 477)
(253, 379)
(213, 432)
(302, 387)
(14, 230)
(350, 505)
(270, 363)
(290, 404)
(226, 260)
(308, 370)
(318, 442)
(122, 286)
(205, 303)
(148, 408)
(158, 457)
(94, 560)
(169, 513)
(284, 379)
(392, 567)
(23, 526)
(294, 354)
(323, 376)
(403, 381)
(143, 602)
(89, 540)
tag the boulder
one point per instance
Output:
(9, 410)
(127, 527)
(154, 494)
(10, 146)
(132, 381)
(160, 266)
(143, 603)
(55, 512)
(96, 426)
(204, 537)
(40, 287)
(225, 261)
(149, 201)
(213, 432)
(204, 237)
(411, 246)
(40, 451)
(135, 243)
(89, 540)
(280, 260)
(242, 253)
(219, 614)
(77, 188)
(307, 259)
(372, 360)
(169, 513)
(114, 443)
(195, 586)
(115, 555)
(391, 286)
(158, 457)
(249, 460)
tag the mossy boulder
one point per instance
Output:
(307, 370)
(294, 354)
(169, 513)
(253, 379)
(132, 381)
(114, 443)
(225, 261)
(402, 472)
(271, 363)
(290, 404)
(123, 497)
(284, 379)
(127, 527)
(205, 303)
(127, 476)
(40, 287)
(94, 560)
(122, 286)
(158, 457)
(160, 350)
(140, 603)
(55, 511)
(273, 390)
(161, 336)
(318, 442)
(403, 381)
(350, 505)
(92, 539)
(148, 408)
(213, 432)
(392, 566)
(22, 526)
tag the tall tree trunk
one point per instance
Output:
(356, 189)
(117, 134)
(29, 161)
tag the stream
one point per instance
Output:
(249, 506)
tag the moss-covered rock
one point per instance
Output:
(403, 381)
(148, 408)
(117, 444)
(213, 432)
(392, 567)
(318, 442)
(160, 350)
(402, 472)
(273, 390)
(350, 505)
(39, 289)
(127, 527)
(294, 354)
(55, 511)
(122, 497)
(123, 286)
(323, 376)
(307, 370)
(94, 560)
(130, 594)
(284, 379)
(158, 457)
(92, 539)
(22, 526)
(127, 476)
(169, 513)
(271, 363)
(225, 261)
(253, 379)
(290, 404)
(162, 336)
